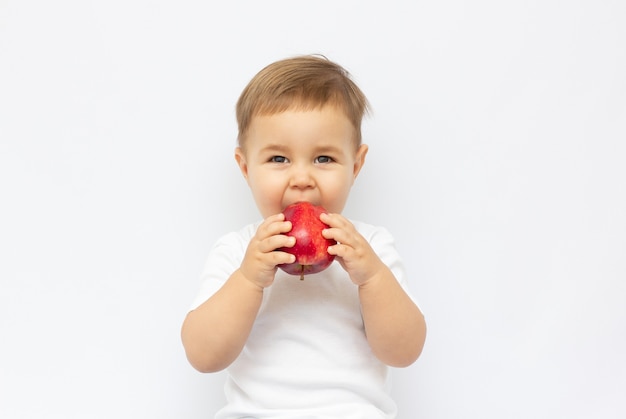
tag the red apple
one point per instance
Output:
(311, 247)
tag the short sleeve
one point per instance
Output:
(384, 245)
(224, 258)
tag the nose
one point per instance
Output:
(301, 178)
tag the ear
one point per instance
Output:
(240, 158)
(359, 159)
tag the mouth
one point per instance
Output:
(300, 200)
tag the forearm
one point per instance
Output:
(394, 325)
(214, 334)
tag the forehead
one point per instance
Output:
(327, 124)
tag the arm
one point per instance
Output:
(394, 325)
(214, 334)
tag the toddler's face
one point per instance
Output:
(300, 156)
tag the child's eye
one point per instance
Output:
(278, 159)
(323, 159)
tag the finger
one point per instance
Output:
(276, 242)
(340, 250)
(273, 227)
(347, 237)
(337, 221)
(334, 220)
(274, 218)
(281, 258)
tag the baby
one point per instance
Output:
(319, 347)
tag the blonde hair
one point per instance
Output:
(304, 82)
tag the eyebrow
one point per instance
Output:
(274, 147)
(331, 148)
(325, 148)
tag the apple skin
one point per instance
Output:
(311, 247)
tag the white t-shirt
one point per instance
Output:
(307, 355)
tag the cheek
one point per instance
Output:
(337, 191)
(263, 182)
(267, 191)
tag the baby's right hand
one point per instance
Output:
(261, 259)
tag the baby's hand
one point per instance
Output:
(353, 252)
(259, 262)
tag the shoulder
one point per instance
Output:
(224, 258)
(239, 238)
(227, 252)
(383, 243)
(374, 234)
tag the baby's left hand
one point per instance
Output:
(353, 252)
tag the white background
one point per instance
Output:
(497, 160)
